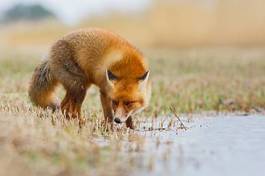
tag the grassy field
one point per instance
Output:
(38, 142)
(192, 80)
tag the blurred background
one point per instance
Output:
(147, 23)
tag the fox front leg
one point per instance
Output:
(129, 123)
(107, 109)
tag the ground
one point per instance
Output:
(198, 80)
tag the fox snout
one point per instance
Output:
(128, 95)
(117, 120)
(120, 116)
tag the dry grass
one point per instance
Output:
(34, 142)
(208, 79)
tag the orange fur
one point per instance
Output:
(82, 58)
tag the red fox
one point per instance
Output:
(99, 57)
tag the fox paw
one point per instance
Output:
(129, 123)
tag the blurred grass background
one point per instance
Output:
(169, 23)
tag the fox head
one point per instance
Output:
(129, 93)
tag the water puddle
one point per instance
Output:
(222, 145)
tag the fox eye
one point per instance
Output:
(111, 76)
(128, 103)
(115, 103)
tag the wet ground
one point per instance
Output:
(222, 145)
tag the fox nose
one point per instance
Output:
(117, 120)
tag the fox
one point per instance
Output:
(93, 56)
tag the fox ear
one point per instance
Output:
(144, 76)
(110, 77)
(143, 80)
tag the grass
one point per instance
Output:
(203, 79)
(194, 80)
(38, 142)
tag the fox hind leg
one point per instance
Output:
(71, 76)
(76, 87)
(72, 102)
(74, 97)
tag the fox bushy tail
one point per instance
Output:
(42, 86)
